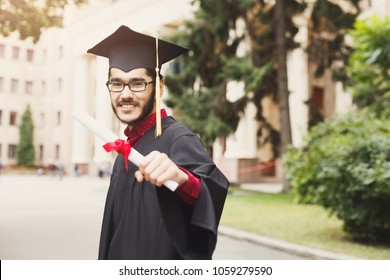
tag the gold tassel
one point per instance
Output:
(158, 97)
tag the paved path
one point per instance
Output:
(48, 218)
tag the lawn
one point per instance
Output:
(277, 216)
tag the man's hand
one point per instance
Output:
(158, 168)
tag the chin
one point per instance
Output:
(127, 120)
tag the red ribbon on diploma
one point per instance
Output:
(122, 147)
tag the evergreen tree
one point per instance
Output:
(25, 148)
(329, 25)
(198, 93)
(328, 28)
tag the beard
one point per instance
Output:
(145, 110)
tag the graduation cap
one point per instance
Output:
(127, 49)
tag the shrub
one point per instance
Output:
(345, 167)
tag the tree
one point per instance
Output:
(283, 93)
(214, 37)
(369, 65)
(25, 149)
(198, 92)
(328, 27)
(29, 18)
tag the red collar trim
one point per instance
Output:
(141, 128)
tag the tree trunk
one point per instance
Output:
(283, 93)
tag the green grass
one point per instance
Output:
(277, 216)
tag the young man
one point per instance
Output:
(142, 218)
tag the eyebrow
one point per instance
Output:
(135, 79)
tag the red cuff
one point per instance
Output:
(189, 192)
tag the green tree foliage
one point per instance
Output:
(328, 27)
(29, 17)
(345, 167)
(25, 150)
(370, 63)
(198, 93)
(330, 22)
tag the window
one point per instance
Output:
(42, 120)
(30, 55)
(58, 118)
(12, 118)
(59, 82)
(1, 84)
(40, 154)
(57, 153)
(15, 53)
(318, 98)
(14, 85)
(176, 67)
(60, 52)
(11, 151)
(44, 56)
(43, 86)
(29, 87)
(316, 106)
(2, 51)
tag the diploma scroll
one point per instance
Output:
(108, 136)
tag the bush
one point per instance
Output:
(345, 167)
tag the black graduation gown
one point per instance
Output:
(144, 222)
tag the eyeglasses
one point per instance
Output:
(133, 86)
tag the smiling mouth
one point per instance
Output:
(127, 106)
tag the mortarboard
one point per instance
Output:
(127, 49)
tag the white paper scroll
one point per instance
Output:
(108, 136)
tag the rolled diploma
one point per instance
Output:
(108, 136)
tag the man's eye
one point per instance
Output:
(116, 84)
(138, 84)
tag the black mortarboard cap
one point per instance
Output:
(127, 49)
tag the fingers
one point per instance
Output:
(138, 176)
(158, 168)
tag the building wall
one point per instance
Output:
(41, 84)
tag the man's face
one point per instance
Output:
(132, 107)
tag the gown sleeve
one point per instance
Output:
(189, 192)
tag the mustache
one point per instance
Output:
(127, 101)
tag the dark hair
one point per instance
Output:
(151, 72)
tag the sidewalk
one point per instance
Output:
(298, 250)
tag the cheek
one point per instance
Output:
(113, 99)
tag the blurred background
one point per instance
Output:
(246, 98)
(270, 86)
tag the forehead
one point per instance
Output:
(134, 73)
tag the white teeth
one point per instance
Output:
(127, 106)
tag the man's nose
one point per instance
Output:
(127, 92)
